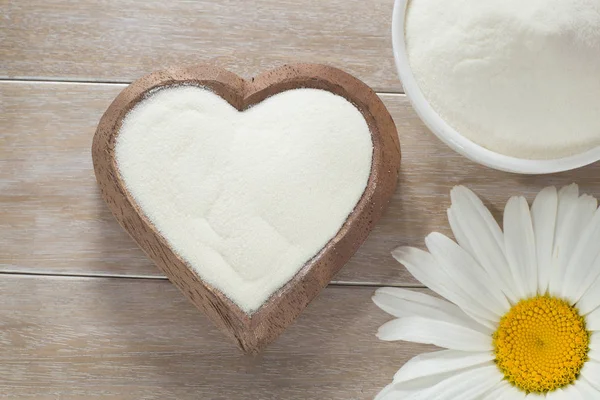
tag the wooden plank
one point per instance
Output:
(52, 219)
(85, 338)
(51, 214)
(123, 40)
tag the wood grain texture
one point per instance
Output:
(115, 40)
(87, 338)
(252, 332)
(52, 219)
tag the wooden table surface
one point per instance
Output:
(83, 313)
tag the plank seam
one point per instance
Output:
(116, 83)
(164, 278)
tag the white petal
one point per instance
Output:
(459, 234)
(573, 215)
(461, 194)
(584, 266)
(543, 218)
(591, 298)
(477, 231)
(563, 235)
(467, 274)
(588, 205)
(412, 390)
(519, 243)
(398, 392)
(493, 391)
(557, 394)
(505, 391)
(595, 341)
(572, 393)
(585, 390)
(534, 396)
(385, 393)
(594, 354)
(468, 385)
(425, 268)
(442, 334)
(440, 362)
(394, 392)
(591, 372)
(407, 303)
(592, 320)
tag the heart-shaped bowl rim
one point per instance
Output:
(253, 331)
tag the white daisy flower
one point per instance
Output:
(521, 319)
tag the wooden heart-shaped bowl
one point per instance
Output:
(253, 331)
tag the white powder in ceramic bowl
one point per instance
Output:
(245, 198)
(521, 78)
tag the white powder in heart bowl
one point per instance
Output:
(245, 198)
(521, 78)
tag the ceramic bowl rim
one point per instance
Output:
(453, 138)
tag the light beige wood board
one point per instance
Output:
(123, 40)
(52, 219)
(88, 338)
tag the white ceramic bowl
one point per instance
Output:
(453, 138)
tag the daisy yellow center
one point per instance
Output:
(541, 344)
